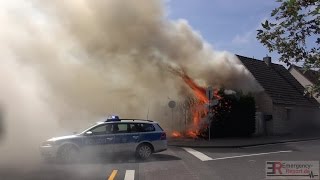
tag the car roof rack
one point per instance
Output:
(108, 120)
(139, 120)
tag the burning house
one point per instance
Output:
(282, 107)
(214, 109)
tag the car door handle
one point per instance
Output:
(110, 138)
(135, 137)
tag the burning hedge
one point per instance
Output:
(234, 115)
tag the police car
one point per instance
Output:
(143, 137)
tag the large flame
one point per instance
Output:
(198, 109)
(176, 134)
(198, 91)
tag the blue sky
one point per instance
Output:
(226, 24)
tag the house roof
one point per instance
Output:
(311, 75)
(278, 83)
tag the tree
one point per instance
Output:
(293, 32)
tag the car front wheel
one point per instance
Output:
(68, 154)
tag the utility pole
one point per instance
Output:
(185, 120)
(172, 104)
(172, 119)
(212, 102)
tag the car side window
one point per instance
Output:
(120, 128)
(148, 128)
(144, 127)
(103, 129)
(134, 127)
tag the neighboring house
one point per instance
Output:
(282, 107)
(305, 78)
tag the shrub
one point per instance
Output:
(234, 116)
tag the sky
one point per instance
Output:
(226, 24)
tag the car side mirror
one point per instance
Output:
(88, 133)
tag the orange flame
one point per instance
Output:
(216, 94)
(192, 134)
(198, 91)
(176, 134)
(198, 110)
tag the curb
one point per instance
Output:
(245, 145)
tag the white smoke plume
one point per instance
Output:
(67, 63)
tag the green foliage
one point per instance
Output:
(234, 116)
(293, 32)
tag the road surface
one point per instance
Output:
(175, 163)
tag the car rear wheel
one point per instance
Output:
(144, 151)
(68, 154)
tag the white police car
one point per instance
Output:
(143, 137)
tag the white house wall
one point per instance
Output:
(295, 119)
(280, 122)
(302, 80)
(264, 106)
(263, 102)
(305, 120)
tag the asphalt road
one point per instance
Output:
(175, 163)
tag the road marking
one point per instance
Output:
(129, 175)
(198, 154)
(113, 175)
(280, 143)
(247, 155)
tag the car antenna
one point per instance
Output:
(148, 113)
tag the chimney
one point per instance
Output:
(267, 60)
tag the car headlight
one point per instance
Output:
(48, 144)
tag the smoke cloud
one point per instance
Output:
(68, 63)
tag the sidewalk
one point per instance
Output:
(240, 142)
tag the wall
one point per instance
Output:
(281, 123)
(295, 120)
(285, 119)
(264, 107)
(305, 120)
(263, 102)
(302, 80)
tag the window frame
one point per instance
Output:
(101, 133)
(128, 131)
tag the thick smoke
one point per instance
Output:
(68, 63)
